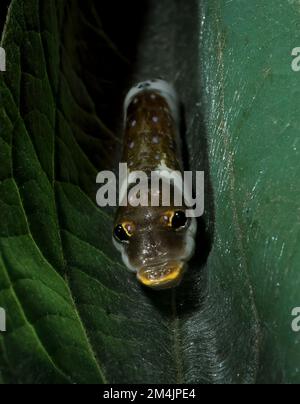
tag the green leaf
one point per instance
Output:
(252, 116)
(75, 315)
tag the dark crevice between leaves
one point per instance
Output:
(105, 62)
(4, 5)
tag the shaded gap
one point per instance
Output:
(4, 4)
(121, 22)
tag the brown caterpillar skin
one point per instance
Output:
(150, 134)
(150, 244)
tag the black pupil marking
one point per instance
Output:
(179, 220)
(144, 85)
(120, 233)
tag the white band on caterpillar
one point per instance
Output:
(162, 87)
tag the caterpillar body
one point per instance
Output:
(156, 242)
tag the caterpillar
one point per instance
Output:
(156, 242)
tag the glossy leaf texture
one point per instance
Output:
(75, 315)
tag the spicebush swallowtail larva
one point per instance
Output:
(156, 242)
